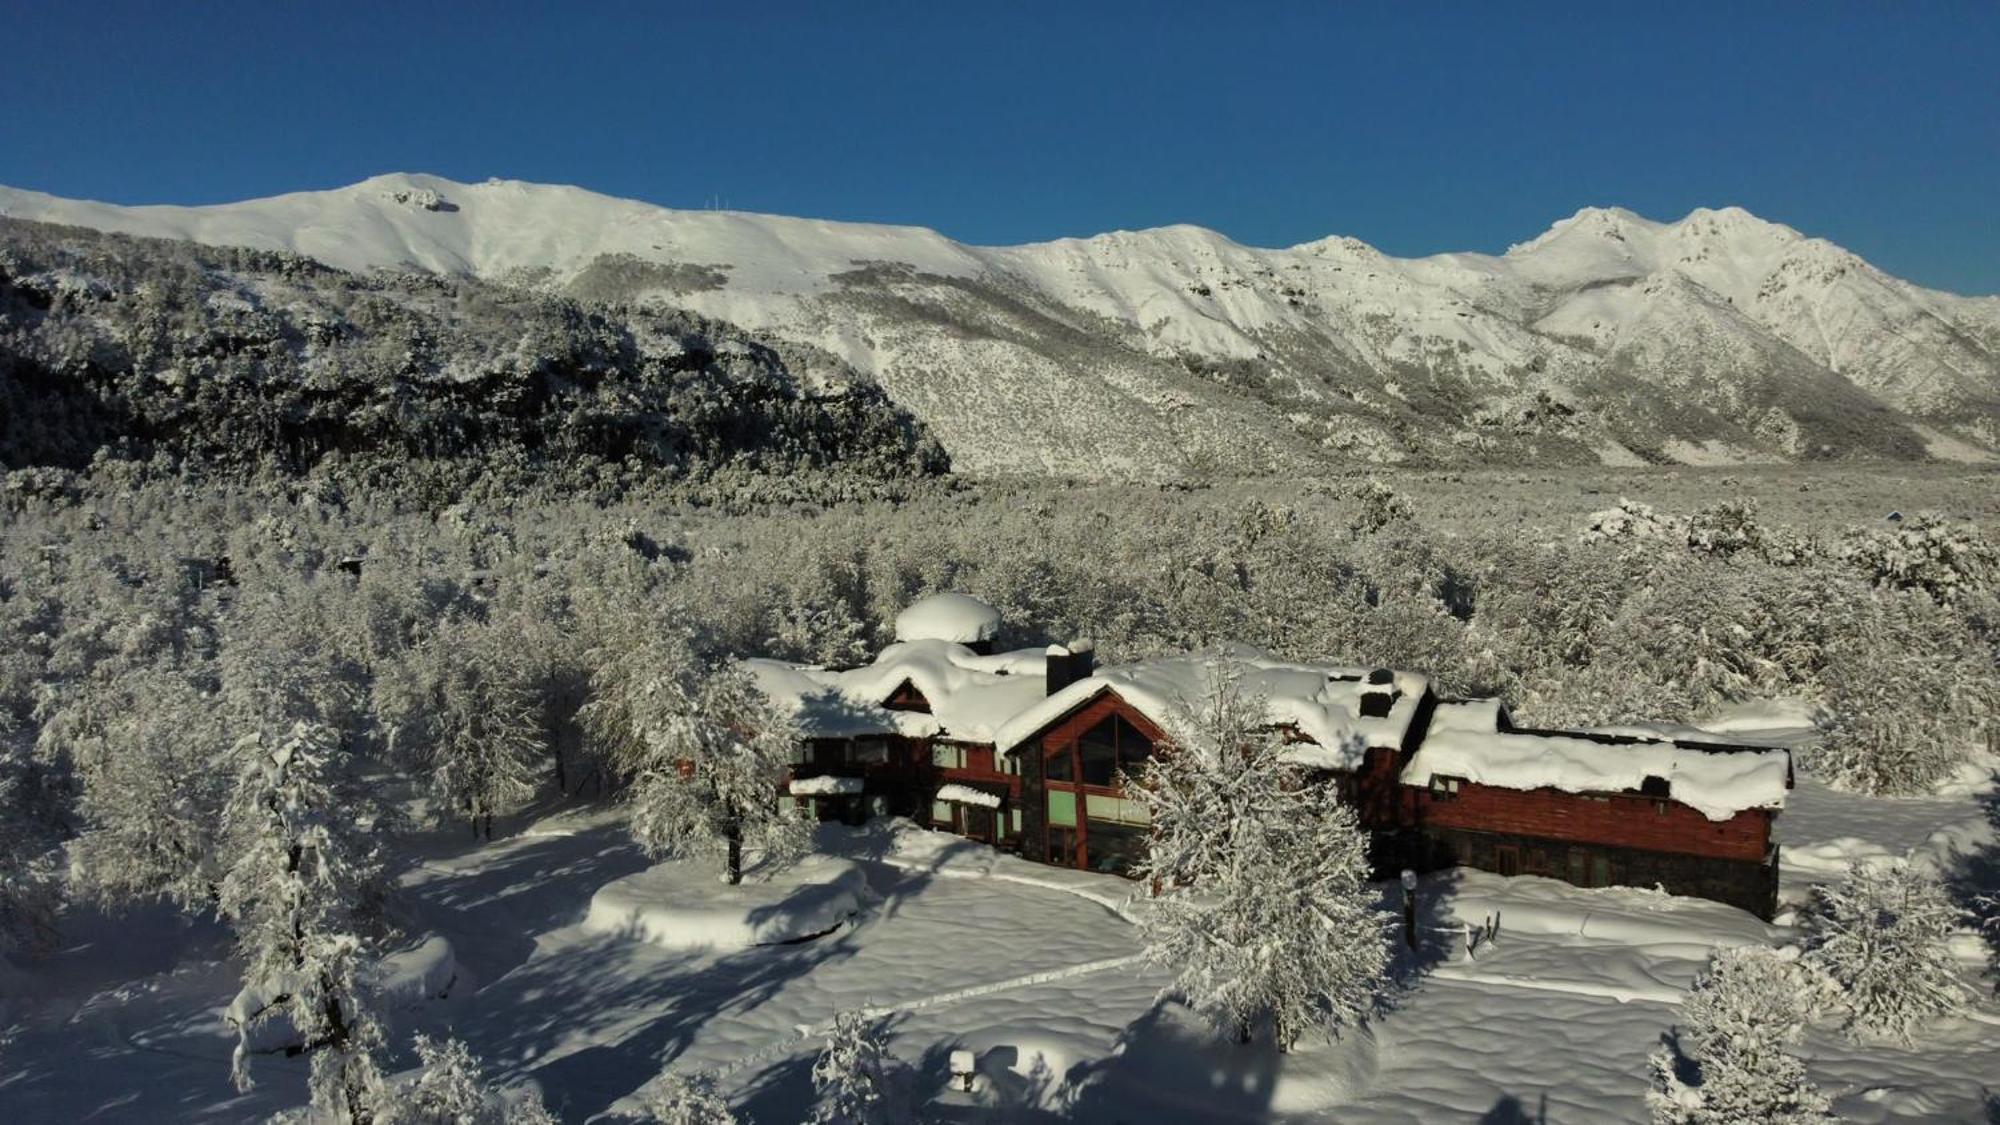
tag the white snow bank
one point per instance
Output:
(967, 795)
(425, 971)
(681, 905)
(1322, 702)
(948, 617)
(1466, 741)
(826, 786)
(1623, 916)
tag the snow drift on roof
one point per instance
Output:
(826, 785)
(1322, 702)
(948, 617)
(1465, 741)
(970, 694)
(967, 795)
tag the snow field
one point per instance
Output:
(674, 907)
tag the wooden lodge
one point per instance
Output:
(1024, 750)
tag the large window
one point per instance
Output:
(946, 756)
(1058, 767)
(1110, 748)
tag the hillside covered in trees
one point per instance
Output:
(234, 360)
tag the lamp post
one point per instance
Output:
(1410, 908)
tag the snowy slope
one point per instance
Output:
(1718, 337)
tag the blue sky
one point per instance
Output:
(1417, 127)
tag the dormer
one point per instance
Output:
(906, 697)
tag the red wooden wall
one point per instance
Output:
(1621, 821)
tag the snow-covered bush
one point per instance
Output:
(1629, 522)
(1377, 506)
(672, 1099)
(854, 1076)
(1881, 937)
(1728, 1062)
(1725, 529)
(1928, 553)
(1262, 907)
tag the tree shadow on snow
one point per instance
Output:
(783, 1091)
(638, 1006)
(1976, 884)
(1510, 1110)
(1170, 1066)
(492, 913)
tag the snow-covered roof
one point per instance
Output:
(1466, 740)
(948, 617)
(970, 694)
(1321, 702)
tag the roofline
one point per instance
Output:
(1063, 715)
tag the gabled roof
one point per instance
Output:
(970, 694)
(1470, 739)
(1322, 703)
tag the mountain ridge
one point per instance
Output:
(1719, 337)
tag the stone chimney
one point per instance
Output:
(1069, 663)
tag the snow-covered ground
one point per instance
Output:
(1032, 969)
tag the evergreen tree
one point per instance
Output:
(449, 1089)
(675, 1100)
(1262, 906)
(295, 892)
(1881, 936)
(853, 1076)
(706, 752)
(1728, 1064)
(461, 703)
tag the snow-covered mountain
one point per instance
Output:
(1718, 338)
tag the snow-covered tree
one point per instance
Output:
(148, 749)
(461, 703)
(710, 752)
(449, 1089)
(295, 893)
(1262, 906)
(1728, 1063)
(673, 1099)
(853, 1076)
(1881, 937)
(1909, 691)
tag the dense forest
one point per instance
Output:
(150, 625)
(229, 361)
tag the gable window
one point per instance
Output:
(906, 697)
(1443, 787)
(1111, 748)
